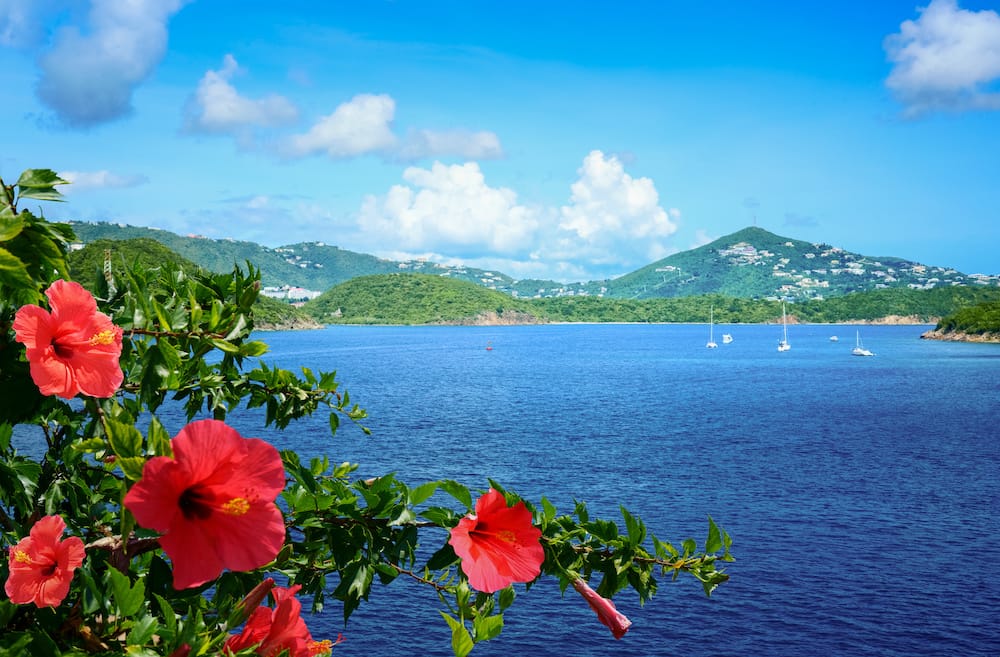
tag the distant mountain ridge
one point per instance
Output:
(750, 263)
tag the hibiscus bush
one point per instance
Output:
(118, 538)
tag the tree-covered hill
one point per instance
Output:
(980, 322)
(414, 299)
(310, 265)
(755, 263)
(751, 263)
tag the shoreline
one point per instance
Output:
(959, 336)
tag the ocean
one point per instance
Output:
(862, 494)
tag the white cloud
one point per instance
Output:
(88, 180)
(613, 224)
(613, 217)
(88, 78)
(449, 207)
(357, 127)
(946, 59)
(459, 143)
(218, 108)
(364, 126)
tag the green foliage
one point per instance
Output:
(980, 319)
(410, 299)
(188, 341)
(87, 267)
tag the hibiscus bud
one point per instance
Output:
(182, 651)
(613, 619)
(253, 599)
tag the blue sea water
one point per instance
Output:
(862, 494)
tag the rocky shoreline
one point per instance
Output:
(958, 336)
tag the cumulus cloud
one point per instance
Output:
(359, 126)
(364, 126)
(613, 217)
(449, 207)
(88, 180)
(217, 107)
(947, 59)
(613, 223)
(88, 78)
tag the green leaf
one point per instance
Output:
(227, 347)
(487, 627)
(158, 439)
(422, 493)
(10, 225)
(507, 596)
(636, 529)
(142, 631)
(127, 597)
(458, 491)
(13, 272)
(39, 184)
(714, 541)
(461, 641)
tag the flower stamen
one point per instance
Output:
(237, 506)
(107, 336)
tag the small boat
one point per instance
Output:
(726, 338)
(711, 321)
(833, 338)
(489, 346)
(859, 349)
(783, 342)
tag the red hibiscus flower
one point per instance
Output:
(498, 545)
(270, 631)
(72, 349)
(213, 502)
(606, 612)
(41, 565)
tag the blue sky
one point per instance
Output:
(565, 140)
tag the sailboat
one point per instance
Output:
(711, 321)
(859, 349)
(783, 342)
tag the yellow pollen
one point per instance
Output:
(324, 647)
(506, 535)
(236, 506)
(107, 336)
(21, 556)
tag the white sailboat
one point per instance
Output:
(859, 349)
(711, 321)
(783, 342)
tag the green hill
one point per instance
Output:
(415, 299)
(310, 265)
(751, 263)
(977, 323)
(755, 263)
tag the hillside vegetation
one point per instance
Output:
(980, 322)
(755, 263)
(86, 266)
(751, 263)
(422, 299)
(413, 299)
